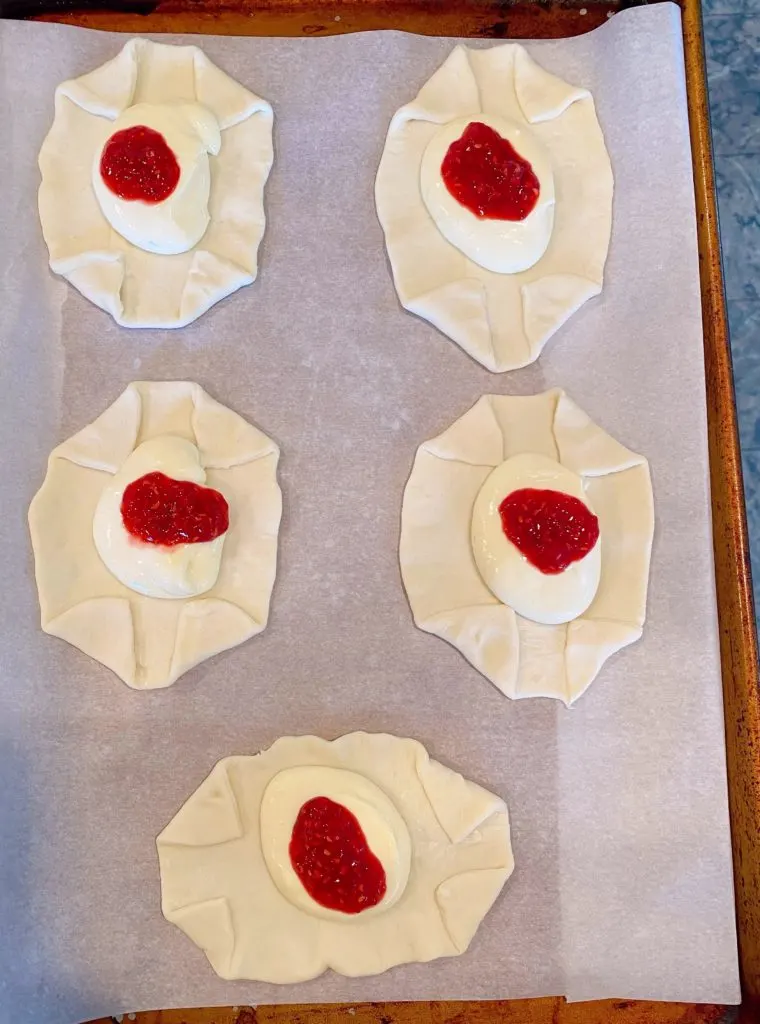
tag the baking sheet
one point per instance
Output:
(623, 881)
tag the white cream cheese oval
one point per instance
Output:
(544, 598)
(503, 246)
(384, 829)
(183, 570)
(178, 222)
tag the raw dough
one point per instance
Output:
(147, 641)
(502, 320)
(216, 887)
(138, 288)
(446, 592)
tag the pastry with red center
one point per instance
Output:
(155, 533)
(355, 855)
(494, 192)
(526, 535)
(152, 193)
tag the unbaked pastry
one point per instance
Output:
(450, 598)
(501, 319)
(149, 289)
(227, 879)
(147, 641)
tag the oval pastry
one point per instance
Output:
(152, 193)
(155, 533)
(354, 855)
(526, 534)
(494, 192)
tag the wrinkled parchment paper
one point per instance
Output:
(623, 879)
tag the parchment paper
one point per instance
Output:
(623, 881)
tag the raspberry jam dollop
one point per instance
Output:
(159, 510)
(486, 174)
(552, 529)
(138, 163)
(331, 856)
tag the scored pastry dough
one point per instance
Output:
(216, 886)
(502, 320)
(149, 642)
(448, 596)
(139, 288)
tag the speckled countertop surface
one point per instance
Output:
(732, 47)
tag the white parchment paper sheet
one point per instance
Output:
(623, 880)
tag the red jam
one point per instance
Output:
(159, 510)
(485, 173)
(330, 855)
(137, 163)
(552, 529)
